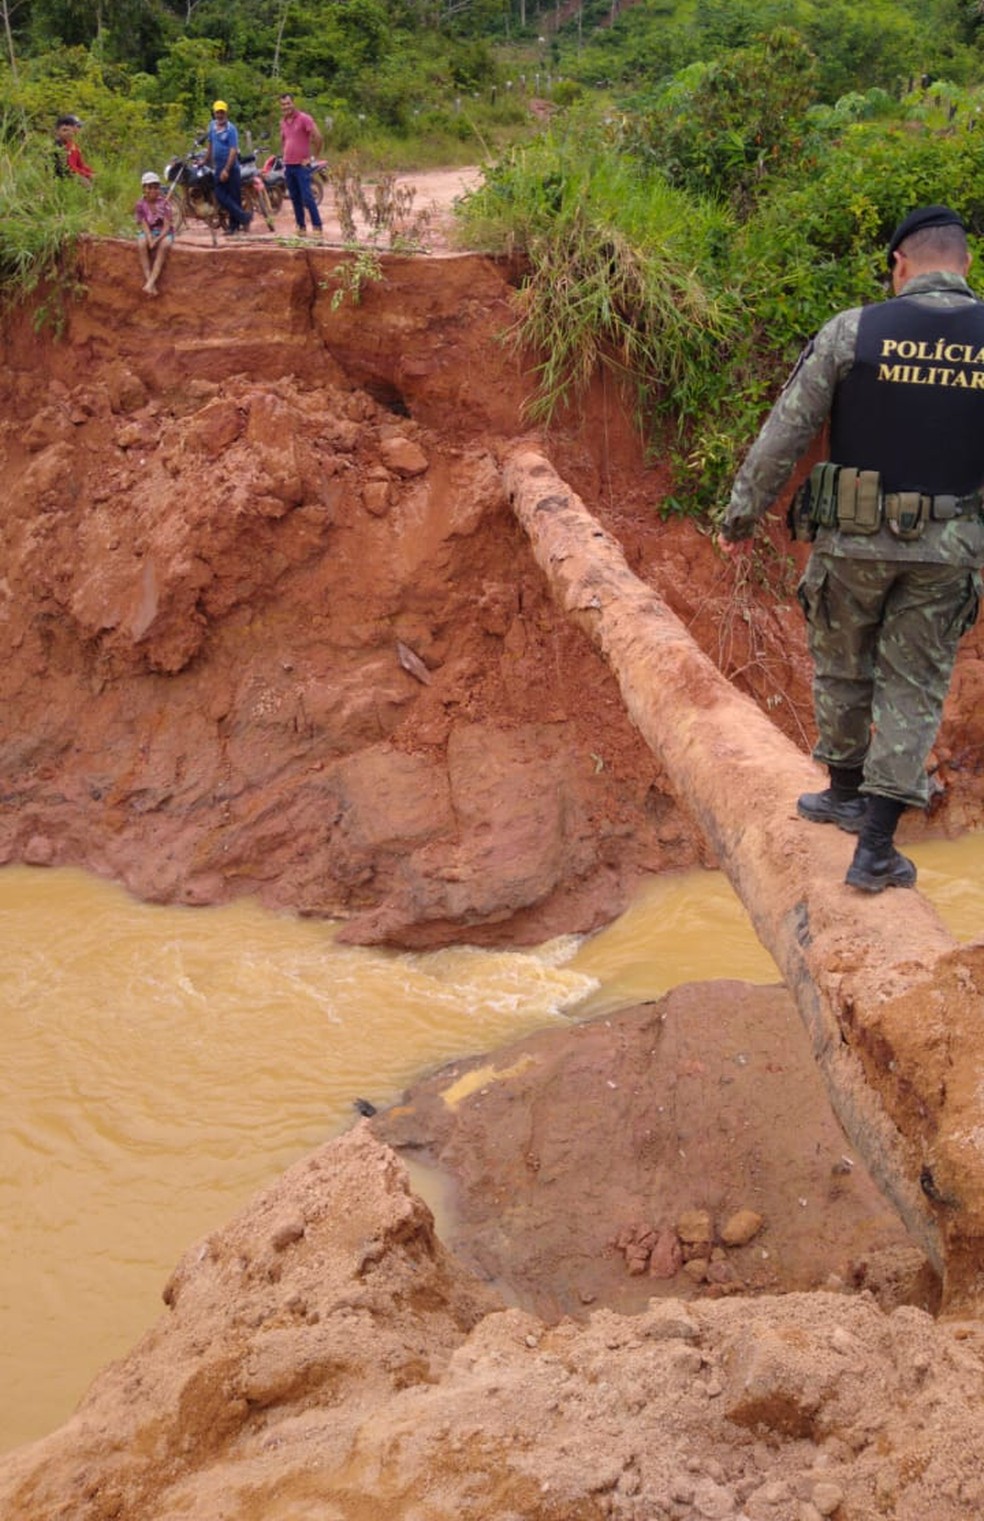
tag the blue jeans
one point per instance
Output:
(228, 193)
(298, 177)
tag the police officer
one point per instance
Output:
(892, 582)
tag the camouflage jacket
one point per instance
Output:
(801, 410)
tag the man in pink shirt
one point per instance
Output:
(300, 141)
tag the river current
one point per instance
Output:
(162, 1064)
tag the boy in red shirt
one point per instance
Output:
(68, 154)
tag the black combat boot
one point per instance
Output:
(877, 864)
(841, 803)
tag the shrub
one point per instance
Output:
(614, 255)
(721, 127)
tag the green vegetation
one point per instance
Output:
(394, 84)
(717, 178)
(614, 255)
(692, 223)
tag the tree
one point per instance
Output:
(722, 125)
(8, 7)
(281, 23)
(188, 74)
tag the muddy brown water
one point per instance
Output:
(161, 1064)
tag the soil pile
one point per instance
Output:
(686, 1148)
(323, 1356)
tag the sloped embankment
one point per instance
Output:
(273, 628)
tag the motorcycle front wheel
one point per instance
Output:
(276, 194)
(317, 189)
(202, 205)
(256, 199)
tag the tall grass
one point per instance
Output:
(621, 271)
(702, 313)
(41, 216)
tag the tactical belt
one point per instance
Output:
(838, 496)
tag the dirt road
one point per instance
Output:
(435, 191)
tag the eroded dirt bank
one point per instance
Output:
(273, 630)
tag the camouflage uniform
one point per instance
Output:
(885, 615)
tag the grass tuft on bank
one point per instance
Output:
(617, 264)
(40, 219)
(701, 302)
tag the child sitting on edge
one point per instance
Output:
(155, 231)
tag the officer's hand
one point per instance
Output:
(733, 548)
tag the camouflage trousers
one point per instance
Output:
(883, 636)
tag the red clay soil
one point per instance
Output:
(272, 628)
(275, 630)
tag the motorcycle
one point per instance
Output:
(191, 191)
(256, 192)
(319, 175)
(274, 181)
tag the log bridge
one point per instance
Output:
(892, 1003)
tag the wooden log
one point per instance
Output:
(893, 1005)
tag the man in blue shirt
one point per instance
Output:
(223, 155)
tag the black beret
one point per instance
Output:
(918, 221)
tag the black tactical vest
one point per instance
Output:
(912, 406)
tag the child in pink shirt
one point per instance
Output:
(155, 231)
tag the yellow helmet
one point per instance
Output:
(220, 105)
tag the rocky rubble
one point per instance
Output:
(691, 1243)
(268, 638)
